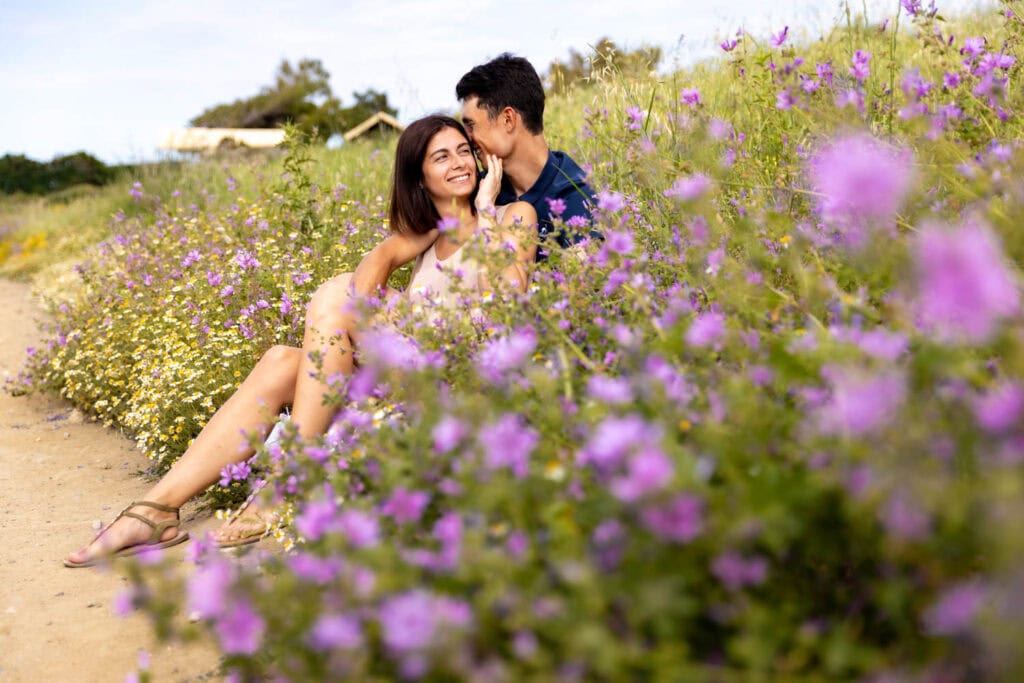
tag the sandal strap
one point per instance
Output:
(158, 528)
(151, 504)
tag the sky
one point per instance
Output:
(112, 77)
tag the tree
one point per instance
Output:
(18, 173)
(367, 104)
(606, 56)
(300, 95)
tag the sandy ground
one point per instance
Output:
(58, 474)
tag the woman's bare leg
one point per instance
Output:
(332, 326)
(331, 323)
(270, 386)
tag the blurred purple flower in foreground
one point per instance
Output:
(680, 520)
(736, 571)
(508, 443)
(965, 285)
(207, 588)
(859, 403)
(1000, 409)
(860, 69)
(779, 39)
(861, 183)
(706, 329)
(240, 629)
(336, 631)
(500, 356)
(688, 188)
(690, 96)
(955, 609)
(447, 433)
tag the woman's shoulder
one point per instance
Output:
(516, 212)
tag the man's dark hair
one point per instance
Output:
(412, 209)
(506, 81)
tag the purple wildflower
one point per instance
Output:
(613, 390)
(619, 242)
(860, 69)
(784, 100)
(556, 207)
(973, 46)
(859, 403)
(681, 520)
(389, 349)
(448, 224)
(824, 71)
(614, 438)
(360, 528)
(508, 443)
(240, 629)
(336, 631)
(736, 571)
(610, 202)
(447, 433)
(246, 260)
(955, 609)
(500, 356)
(316, 569)
(1000, 409)
(207, 588)
(728, 45)
(706, 330)
(911, 6)
(689, 96)
(778, 39)
(905, 520)
(688, 188)
(236, 471)
(965, 284)
(409, 621)
(648, 471)
(406, 506)
(858, 179)
(636, 118)
(316, 518)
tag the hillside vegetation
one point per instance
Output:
(770, 428)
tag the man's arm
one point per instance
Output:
(395, 251)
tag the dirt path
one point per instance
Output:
(58, 475)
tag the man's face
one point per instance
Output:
(486, 134)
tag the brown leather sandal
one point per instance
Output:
(153, 542)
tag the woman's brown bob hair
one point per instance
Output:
(412, 209)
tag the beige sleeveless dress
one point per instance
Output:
(432, 278)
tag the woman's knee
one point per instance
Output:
(331, 301)
(279, 364)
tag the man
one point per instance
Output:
(503, 112)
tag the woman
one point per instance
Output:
(435, 180)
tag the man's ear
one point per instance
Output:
(509, 118)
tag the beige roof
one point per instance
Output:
(209, 139)
(379, 117)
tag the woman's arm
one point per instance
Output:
(518, 223)
(395, 251)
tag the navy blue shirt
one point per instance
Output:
(561, 178)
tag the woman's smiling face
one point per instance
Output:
(449, 167)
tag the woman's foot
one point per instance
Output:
(246, 526)
(142, 524)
